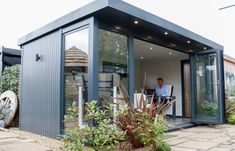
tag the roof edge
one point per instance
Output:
(154, 19)
(64, 20)
(124, 7)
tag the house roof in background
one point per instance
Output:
(229, 58)
(10, 51)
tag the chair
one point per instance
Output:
(170, 100)
(138, 97)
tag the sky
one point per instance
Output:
(19, 17)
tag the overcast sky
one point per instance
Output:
(19, 17)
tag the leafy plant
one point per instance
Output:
(231, 118)
(103, 136)
(74, 139)
(4, 112)
(142, 125)
(209, 108)
(71, 113)
(230, 107)
(10, 79)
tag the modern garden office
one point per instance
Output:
(87, 54)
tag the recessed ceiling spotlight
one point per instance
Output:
(117, 27)
(151, 48)
(136, 22)
(190, 50)
(141, 58)
(188, 42)
(172, 45)
(205, 48)
(166, 33)
(149, 37)
(170, 53)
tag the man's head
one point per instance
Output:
(160, 81)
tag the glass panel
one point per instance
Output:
(75, 74)
(206, 88)
(113, 64)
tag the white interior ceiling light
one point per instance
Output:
(188, 42)
(136, 22)
(166, 33)
(141, 58)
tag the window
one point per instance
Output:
(76, 71)
(113, 64)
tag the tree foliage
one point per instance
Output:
(10, 79)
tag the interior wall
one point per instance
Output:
(168, 69)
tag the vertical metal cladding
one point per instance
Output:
(40, 87)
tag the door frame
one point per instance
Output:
(220, 87)
(92, 25)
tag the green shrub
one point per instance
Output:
(230, 107)
(74, 139)
(103, 136)
(209, 108)
(152, 132)
(10, 79)
(231, 119)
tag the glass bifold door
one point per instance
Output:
(207, 87)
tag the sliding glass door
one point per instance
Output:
(207, 87)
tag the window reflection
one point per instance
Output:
(113, 64)
(75, 71)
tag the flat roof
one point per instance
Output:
(118, 7)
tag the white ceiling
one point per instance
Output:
(143, 49)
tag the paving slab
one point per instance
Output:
(181, 133)
(221, 139)
(182, 149)
(23, 146)
(197, 145)
(220, 149)
(177, 141)
(205, 129)
(5, 135)
(206, 135)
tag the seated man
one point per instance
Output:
(161, 90)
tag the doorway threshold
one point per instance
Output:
(179, 123)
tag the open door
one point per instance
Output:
(207, 87)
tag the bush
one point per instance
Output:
(208, 108)
(230, 111)
(143, 129)
(104, 136)
(10, 79)
(231, 119)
